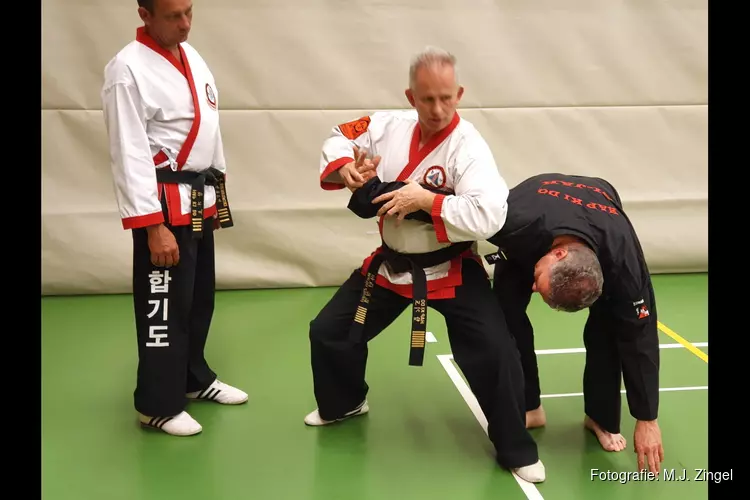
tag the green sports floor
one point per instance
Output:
(420, 440)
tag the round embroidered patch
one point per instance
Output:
(210, 96)
(435, 177)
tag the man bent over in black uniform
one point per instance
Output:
(568, 238)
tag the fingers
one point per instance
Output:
(384, 197)
(359, 157)
(369, 175)
(653, 462)
(370, 164)
(387, 207)
(357, 178)
(366, 167)
(352, 178)
(166, 258)
(161, 259)
(653, 457)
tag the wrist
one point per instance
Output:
(428, 199)
(154, 228)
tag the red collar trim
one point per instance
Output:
(415, 152)
(146, 39)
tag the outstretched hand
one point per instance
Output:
(356, 173)
(648, 446)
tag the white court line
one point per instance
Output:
(583, 349)
(529, 488)
(446, 360)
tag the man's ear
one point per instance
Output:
(143, 14)
(559, 253)
(410, 97)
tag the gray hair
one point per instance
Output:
(430, 56)
(575, 281)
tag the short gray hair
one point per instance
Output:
(430, 56)
(575, 281)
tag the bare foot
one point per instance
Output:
(610, 442)
(535, 418)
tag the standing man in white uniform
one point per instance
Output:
(161, 113)
(419, 262)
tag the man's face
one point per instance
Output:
(435, 96)
(169, 23)
(542, 271)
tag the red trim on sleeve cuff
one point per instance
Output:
(331, 168)
(143, 220)
(437, 220)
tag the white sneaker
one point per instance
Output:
(181, 424)
(315, 420)
(534, 473)
(221, 393)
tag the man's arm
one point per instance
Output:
(219, 162)
(338, 150)
(130, 156)
(478, 208)
(361, 201)
(638, 343)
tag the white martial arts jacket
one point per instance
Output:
(158, 112)
(457, 160)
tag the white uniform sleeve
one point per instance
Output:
(219, 162)
(338, 149)
(479, 207)
(130, 156)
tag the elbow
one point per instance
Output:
(493, 220)
(486, 232)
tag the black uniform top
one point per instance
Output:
(549, 205)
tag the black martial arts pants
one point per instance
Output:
(173, 310)
(602, 377)
(481, 345)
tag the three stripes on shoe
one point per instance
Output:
(209, 393)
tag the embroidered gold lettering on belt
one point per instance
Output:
(198, 181)
(400, 262)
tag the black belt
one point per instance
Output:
(198, 181)
(400, 262)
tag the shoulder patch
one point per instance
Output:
(355, 128)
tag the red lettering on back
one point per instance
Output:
(578, 201)
(574, 200)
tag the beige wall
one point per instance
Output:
(604, 87)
